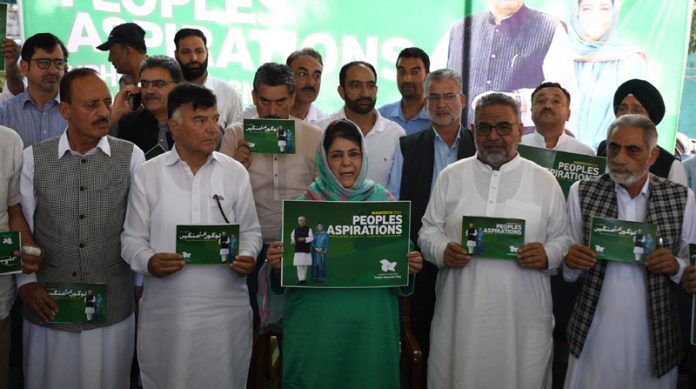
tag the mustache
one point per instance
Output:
(101, 121)
(494, 143)
(191, 64)
(309, 88)
(364, 100)
(151, 96)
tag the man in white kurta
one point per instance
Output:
(195, 324)
(493, 323)
(550, 112)
(617, 350)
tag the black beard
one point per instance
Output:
(360, 109)
(192, 74)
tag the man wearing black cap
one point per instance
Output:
(641, 97)
(126, 46)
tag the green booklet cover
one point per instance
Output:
(492, 237)
(153, 152)
(623, 241)
(10, 241)
(566, 167)
(207, 244)
(345, 244)
(270, 136)
(78, 303)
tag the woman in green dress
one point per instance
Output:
(346, 337)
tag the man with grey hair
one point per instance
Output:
(412, 66)
(148, 126)
(490, 312)
(417, 163)
(274, 177)
(622, 307)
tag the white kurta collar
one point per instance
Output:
(172, 157)
(64, 146)
(644, 191)
(510, 165)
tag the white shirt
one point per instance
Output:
(10, 169)
(229, 101)
(565, 143)
(26, 183)
(617, 352)
(493, 312)
(198, 319)
(677, 173)
(381, 143)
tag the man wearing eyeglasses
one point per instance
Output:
(417, 163)
(148, 126)
(492, 325)
(34, 113)
(550, 112)
(358, 89)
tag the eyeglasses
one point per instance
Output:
(44, 63)
(502, 128)
(156, 83)
(447, 97)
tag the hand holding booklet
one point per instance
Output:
(207, 244)
(492, 237)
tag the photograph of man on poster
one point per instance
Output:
(301, 237)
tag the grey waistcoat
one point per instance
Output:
(665, 209)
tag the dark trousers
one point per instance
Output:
(253, 283)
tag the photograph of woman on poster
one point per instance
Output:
(603, 61)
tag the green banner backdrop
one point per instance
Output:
(242, 34)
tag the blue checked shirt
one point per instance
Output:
(33, 125)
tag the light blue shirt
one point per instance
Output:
(33, 125)
(444, 155)
(394, 113)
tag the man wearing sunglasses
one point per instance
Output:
(34, 113)
(147, 127)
